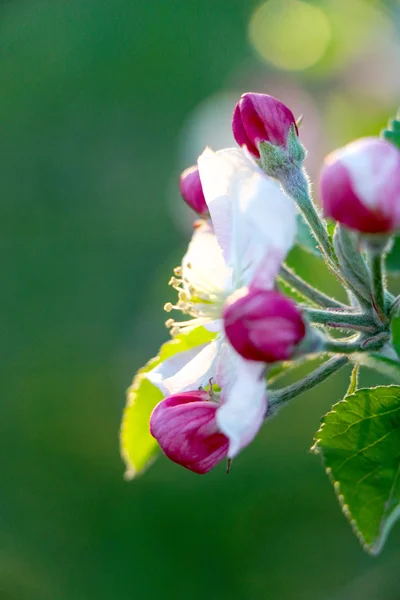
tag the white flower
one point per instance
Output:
(253, 227)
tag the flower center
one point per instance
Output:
(197, 297)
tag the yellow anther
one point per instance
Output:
(174, 282)
(169, 323)
(168, 307)
(178, 271)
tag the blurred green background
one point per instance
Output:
(101, 106)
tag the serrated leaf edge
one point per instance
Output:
(385, 526)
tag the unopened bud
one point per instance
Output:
(192, 190)
(261, 118)
(263, 325)
(360, 186)
(186, 429)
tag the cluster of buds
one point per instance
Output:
(215, 396)
(263, 326)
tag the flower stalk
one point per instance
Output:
(347, 320)
(352, 265)
(360, 343)
(295, 183)
(308, 291)
(279, 398)
(377, 283)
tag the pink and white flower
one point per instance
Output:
(360, 186)
(253, 227)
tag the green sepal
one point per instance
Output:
(295, 148)
(392, 131)
(275, 160)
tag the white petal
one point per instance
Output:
(251, 215)
(368, 168)
(215, 326)
(203, 265)
(244, 398)
(187, 370)
(217, 176)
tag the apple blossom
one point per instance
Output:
(253, 227)
(360, 186)
(204, 396)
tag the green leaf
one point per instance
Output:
(353, 380)
(331, 226)
(360, 445)
(393, 258)
(395, 326)
(138, 447)
(392, 132)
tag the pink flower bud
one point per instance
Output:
(192, 190)
(261, 118)
(360, 186)
(186, 429)
(263, 325)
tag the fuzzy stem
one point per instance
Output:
(305, 289)
(295, 184)
(337, 318)
(377, 282)
(352, 265)
(360, 343)
(278, 398)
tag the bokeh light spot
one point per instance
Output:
(290, 34)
